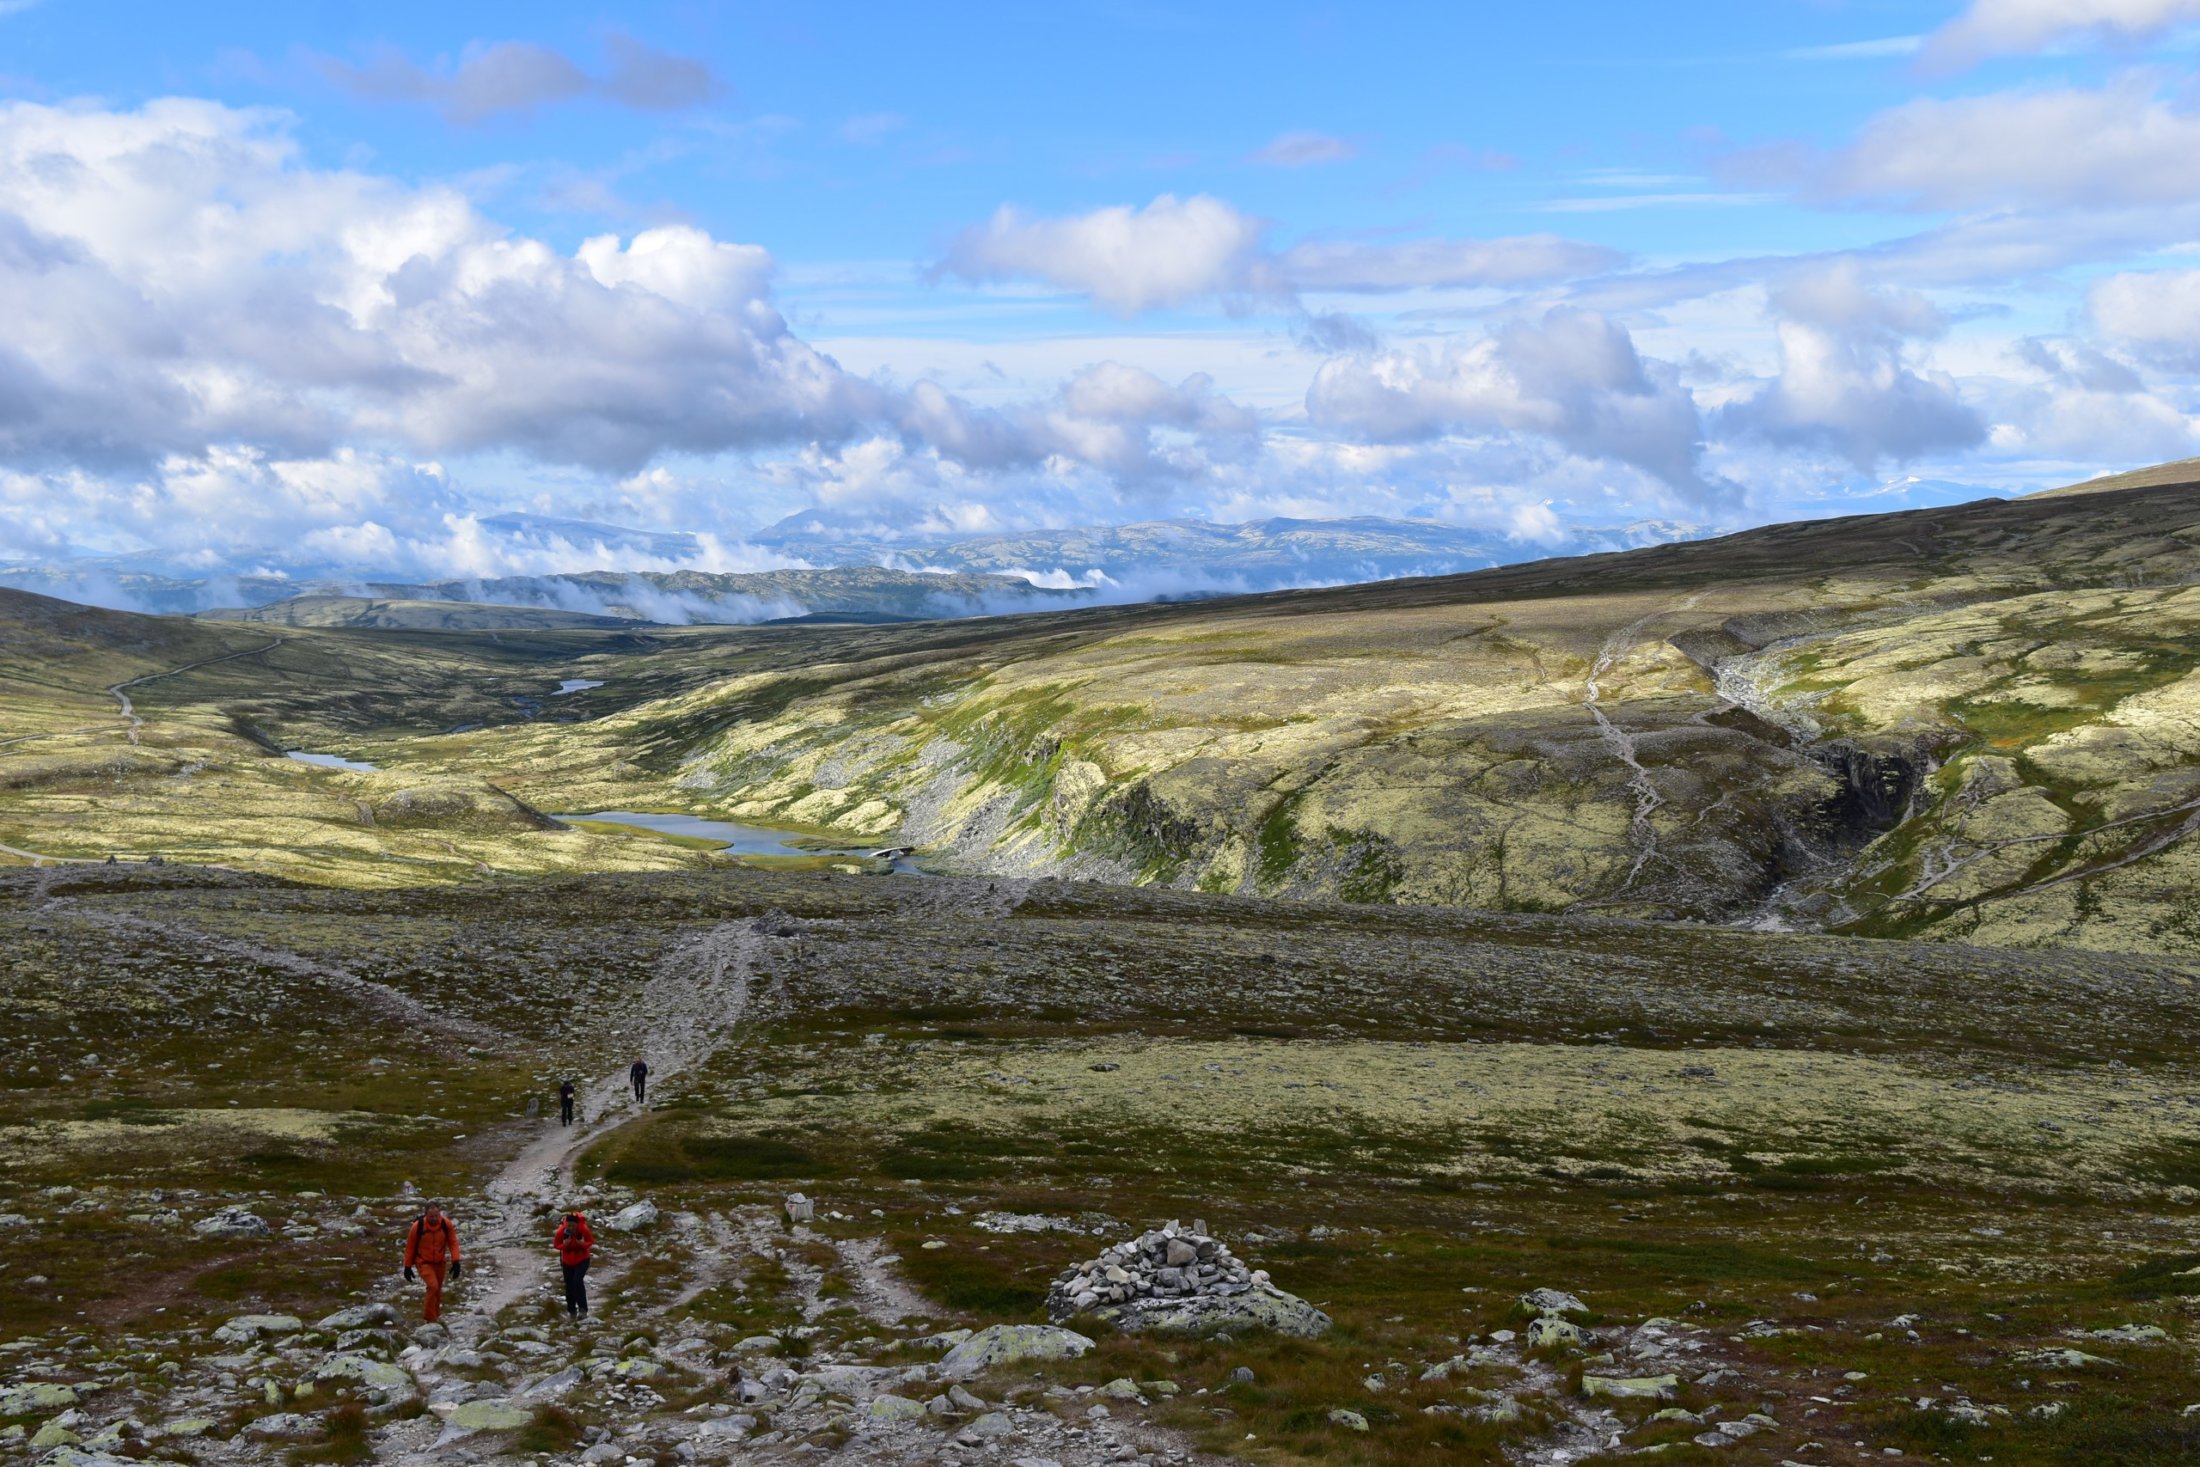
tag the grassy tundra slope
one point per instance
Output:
(1842, 1196)
(1974, 723)
(1981, 722)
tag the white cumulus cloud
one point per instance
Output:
(2057, 147)
(2156, 311)
(1845, 383)
(2010, 27)
(1572, 377)
(1175, 252)
(1168, 253)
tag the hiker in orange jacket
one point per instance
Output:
(431, 1247)
(575, 1245)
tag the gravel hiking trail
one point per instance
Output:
(688, 1010)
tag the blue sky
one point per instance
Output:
(325, 287)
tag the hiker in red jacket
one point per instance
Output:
(430, 1247)
(575, 1245)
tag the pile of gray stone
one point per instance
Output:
(1178, 1280)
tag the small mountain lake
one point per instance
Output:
(331, 761)
(576, 685)
(741, 840)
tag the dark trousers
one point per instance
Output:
(641, 1082)
(565, 1110)
(576, 1287)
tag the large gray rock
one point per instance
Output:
(633, 1219)
(232, 1222)
(1006, 1344)
(894, 1408)
(37, 1397)
(377, 1376)
(243, 1329)
(1551, 1302)
(360, 1316)
(285, 1426)
(489, 1416)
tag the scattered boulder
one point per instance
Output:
(493, 1415)
(360, 1316)
(2062, 1359)
(894, 1408)
(378, 1377)
(1177, 1281)
(633, 1219)
(1550, 1332)
(1007, 1344)
(36, 1398)
(284, 1426)
(800, 1209)
(1631, 1388)
(990, 1427)
(245, 1328)
(232, 1222)
(1349, 1420)
(1550, 1303)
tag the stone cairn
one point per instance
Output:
(1169, 1263)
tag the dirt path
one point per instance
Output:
(129, 711)
(38, 859)
(689, 1009)
(133, 724)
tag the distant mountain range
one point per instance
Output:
(854, 592)
(1136, 561)
(851, 566)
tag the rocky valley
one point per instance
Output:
(1726, 1001)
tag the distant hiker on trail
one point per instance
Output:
(639, 1074)
(575, 1245)
(431, 1247)
(565, 1102)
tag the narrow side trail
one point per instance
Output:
(129, 711)
(400, 1008)
(688, 1010)
(133, 725)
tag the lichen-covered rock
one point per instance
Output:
(1007, 1344)
(1551, 1301)
(360, 1316)
(232, 1222)
(1551, 1332)
(894, 1408)
(285, 1426)
(1631, 1388)
(245, 1328)
(378, 1376)
(490, 1416)
(38, 1396)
